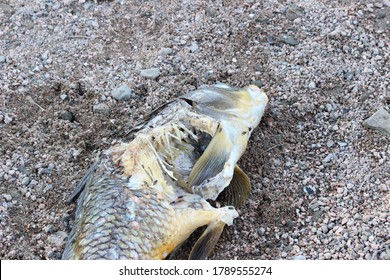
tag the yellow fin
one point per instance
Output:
(206, 242)
(212, 160)
(238, 190)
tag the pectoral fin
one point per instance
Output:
(206, 242)
(238, 190)
(212, 160)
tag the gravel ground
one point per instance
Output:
(320, 178)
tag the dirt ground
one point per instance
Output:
(301, 205)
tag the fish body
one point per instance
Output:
(142, 199)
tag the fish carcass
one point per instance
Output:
(142, 199)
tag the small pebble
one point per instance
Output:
(7, 119)
(122, 93)
(66, 115)
(327, 256)
(380, 120)
(25, 181)
(288, 39)
(329, 143)
(57, 239)
(2, 59)
(7, 197)
(165, 51)
(101, 108)
(45, 55)
(328, 158)
(194, 47)
(261, 231)
(151, 73)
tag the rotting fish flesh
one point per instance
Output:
(142, 199)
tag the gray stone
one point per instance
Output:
(342, 144)
(329, 107)
(330, 143)
(5, 8)
(57, 239)
(7, 197)
(165, 51)
(261, 231)
(299, 257)
(380, 120)
(293, 12)
(258, 83)
(122, 93)
(327, 256)
(48, 188)
(194, 47)
(2, 59)
(45, 55)
(63, 96)
(48, 229)
(66, 115)
(151, 73)
(317, 215)
(101, 108)
(288, 39)
(328, 158)
(7, 119)
(312, 85)
(25, 181)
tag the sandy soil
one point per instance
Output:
(320, 179)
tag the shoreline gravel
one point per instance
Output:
(320, 178)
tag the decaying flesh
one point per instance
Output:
(142, 199)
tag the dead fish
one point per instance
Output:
(142, 199)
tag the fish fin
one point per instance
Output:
(238, 190)
(212, 160)
(83, 182)
(206, 242)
